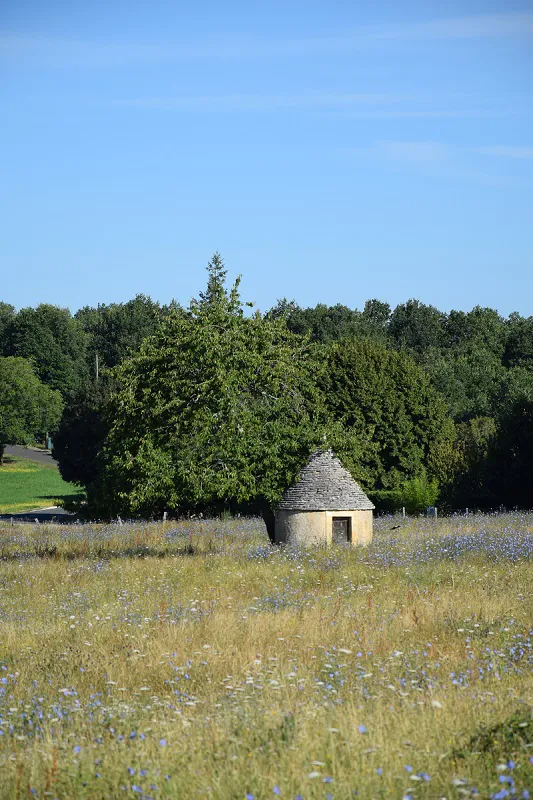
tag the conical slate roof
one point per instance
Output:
(325, 485)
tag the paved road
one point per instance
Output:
(42, 457)
(52, 514)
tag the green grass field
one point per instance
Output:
(25, 485)
(192, 660)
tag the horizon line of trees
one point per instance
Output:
(162, 407)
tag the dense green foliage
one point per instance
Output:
(510, 462)
(482, 366)
(377, 392)
(116, 330)
(420, 394)
(28, 408)
(217, 409)
(326, 324)
(415, 327)
(82, 431)
(7, 312)
(53, 341)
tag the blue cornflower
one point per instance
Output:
(327, 779)
(131, 771)
(136, 788)
(361, 728)
(276, 790)
(511, 764)
(379, 771)
(408, 768)
(163, 742)
(77, 749)
(249, 796)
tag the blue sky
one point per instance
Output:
(331, 151)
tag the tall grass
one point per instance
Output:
(192, 660)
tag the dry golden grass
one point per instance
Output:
(189, 661)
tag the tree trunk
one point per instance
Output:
(270, 521)
(2, 448)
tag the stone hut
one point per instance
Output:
(325, 505)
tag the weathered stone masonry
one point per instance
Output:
(324, 505)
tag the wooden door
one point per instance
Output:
(342, 529)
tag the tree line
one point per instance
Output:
(214, 405)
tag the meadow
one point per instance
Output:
(26, 485)
(192, 660)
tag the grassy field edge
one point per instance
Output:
(26, 485)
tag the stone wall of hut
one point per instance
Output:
(307, 528)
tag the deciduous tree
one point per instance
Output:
(53, 341)
(384, 394)
(115, 331)
(28, 408)
(219, 409)
(415, 327)
(7, 314)
(81, 432)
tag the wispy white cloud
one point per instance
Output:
(430, 113)
(61, 52)
(273, 102)
(357, 105)
(55, 52)
(464, 27)
(507, 151)
(415, 152)
(440, 153)
(433, 159)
